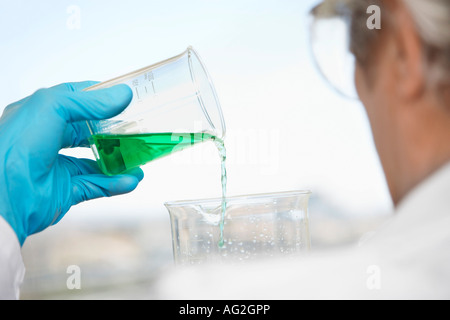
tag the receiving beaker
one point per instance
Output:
(260, 225)
(174, 105)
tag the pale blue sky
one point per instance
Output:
(286, 128)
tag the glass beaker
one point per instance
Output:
(259, 225)
(174, 105)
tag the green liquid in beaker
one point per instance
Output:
(118, 153)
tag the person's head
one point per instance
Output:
(402, 77)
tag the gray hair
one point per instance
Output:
(432, 19)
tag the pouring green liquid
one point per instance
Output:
(118, 153)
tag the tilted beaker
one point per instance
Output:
(174, 106)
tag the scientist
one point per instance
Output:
(402, 77)
(38, 185)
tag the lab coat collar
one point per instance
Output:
(420, 221)
(431, 198)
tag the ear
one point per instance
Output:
(409, 55)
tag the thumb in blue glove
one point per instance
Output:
(37, 184)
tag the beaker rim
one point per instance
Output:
(221, 134)
(279, 194)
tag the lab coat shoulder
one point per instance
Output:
(12, 269)
(415, 242)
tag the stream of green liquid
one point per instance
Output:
(118, 153)
(223, 157)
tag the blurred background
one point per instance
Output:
(286, 129)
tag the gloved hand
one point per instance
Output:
(38, 185)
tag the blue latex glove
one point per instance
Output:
(38, 185)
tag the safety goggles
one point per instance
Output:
(330, 41)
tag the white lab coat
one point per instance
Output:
(12, 269)
(407, 258)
